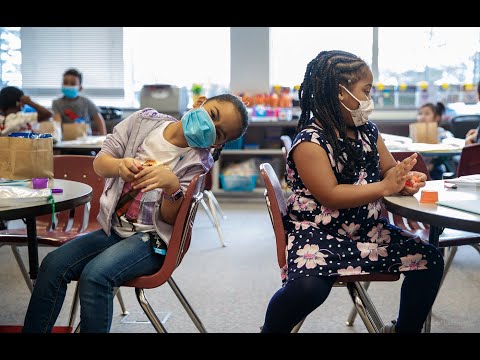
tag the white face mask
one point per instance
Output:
(360, 115)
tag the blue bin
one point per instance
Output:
(238, 182)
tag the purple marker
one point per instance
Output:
(57, 191)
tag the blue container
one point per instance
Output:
(238, 182)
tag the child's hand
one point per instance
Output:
(24, 99)
(395, 179)
(128, 168)
(159, 176)
(415, 181)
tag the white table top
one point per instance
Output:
(433, 214)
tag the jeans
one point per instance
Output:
(99, 262)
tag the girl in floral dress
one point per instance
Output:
(339, 169)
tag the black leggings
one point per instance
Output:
(300, 297)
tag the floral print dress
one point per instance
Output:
(336, 242)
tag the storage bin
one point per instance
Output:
(238, 182)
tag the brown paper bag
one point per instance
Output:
(424, 132)
(72, 131)
(51, 127)
(22, 158)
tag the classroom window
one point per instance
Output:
(179, 56)
(292, 48)
(10, 57)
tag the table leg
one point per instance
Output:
(433, 238)
(32, 247)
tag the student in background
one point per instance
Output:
(430, 112)
(472, 136)
(74, 107)
(14, 115)
(339, 169)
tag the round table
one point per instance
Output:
(74, 194)
(437, 216)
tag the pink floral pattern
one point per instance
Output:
(413, 262)
(349, 231)
(374, 209)
(372, 251)
(310, 256)
(326, 216)
(304, 204)
(379, 235)
(350, 270)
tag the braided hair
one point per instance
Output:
(318, 95)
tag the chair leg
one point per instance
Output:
(154, 320)
(188, 308)
(476, 247)
(448, 262)
(74, 308)
(215, 201)
(119, 296)
(217, 223)
(298, 326)
(353, 312)
(207, 210)
(365, 307)
(22, 267)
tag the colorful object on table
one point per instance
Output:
(39, 183)
(57, 191)
(412, 181)
(429, 196)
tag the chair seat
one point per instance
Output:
(369, 277)
(146, 282)
(451, 237)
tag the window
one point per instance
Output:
(436, 55)
(177, 56)
(293, 48)
(10, 57)
(97, 52)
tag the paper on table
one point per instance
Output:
(467, 181)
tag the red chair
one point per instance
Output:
(177, 248)
(277, 208)
(69, 224)
(469, 160)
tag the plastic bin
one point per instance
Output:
(238, 182)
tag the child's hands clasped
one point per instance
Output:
(128, 168)
(158, 176)
(395, 178)
(415, 181)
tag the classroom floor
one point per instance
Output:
(230, 287)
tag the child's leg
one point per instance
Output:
(419, 290)
(295, 301)
(128, 259)
(57, 269)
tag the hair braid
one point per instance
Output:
(318, 97)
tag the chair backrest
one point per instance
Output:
(419, 166)
(180, 239)
(277, 208)
(469, 160)
(287, 144)
(462, 123)
(80, 168)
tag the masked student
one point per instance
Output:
(73, 107)
(18, 112)
(338, 170)
(148, 161)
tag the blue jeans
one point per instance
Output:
(99, 262)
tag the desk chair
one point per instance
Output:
(277, 208)
(462, 123)
(213, 207)
(69, 224)
(450, 238)
(177, 248)
(287, 145)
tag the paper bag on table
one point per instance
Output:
(22, 158)
(51, 127)
(73, 131)
(423, 132)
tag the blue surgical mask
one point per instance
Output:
(198, 128)
(70, 92)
